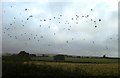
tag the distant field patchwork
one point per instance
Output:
(79, 60)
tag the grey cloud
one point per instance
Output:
(83, 34)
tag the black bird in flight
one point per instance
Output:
(25, 9)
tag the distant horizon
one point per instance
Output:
(57, 54)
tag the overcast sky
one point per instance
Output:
(86, 28)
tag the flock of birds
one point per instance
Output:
(58, 18)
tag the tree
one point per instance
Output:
(104, 56)
(23, 53)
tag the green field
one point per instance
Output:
(40, 69)
(90, 69)
(78, 60)
(71, 67)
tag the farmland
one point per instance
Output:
(89, 69)
(78, 60)
(42, 66)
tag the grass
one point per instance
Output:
(91, 69)
(30, 69)
(75, 68)
(40, 69)
(43, 58)
(92, 60)
(78, 60)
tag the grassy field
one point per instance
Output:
(42, 58)
(91, 69)
(57, 69)
(42, 67)
(78, 60)
(92, 60)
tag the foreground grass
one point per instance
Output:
(29, 69)
(40, 69)
(90, 69)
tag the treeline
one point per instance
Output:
(22, 55)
